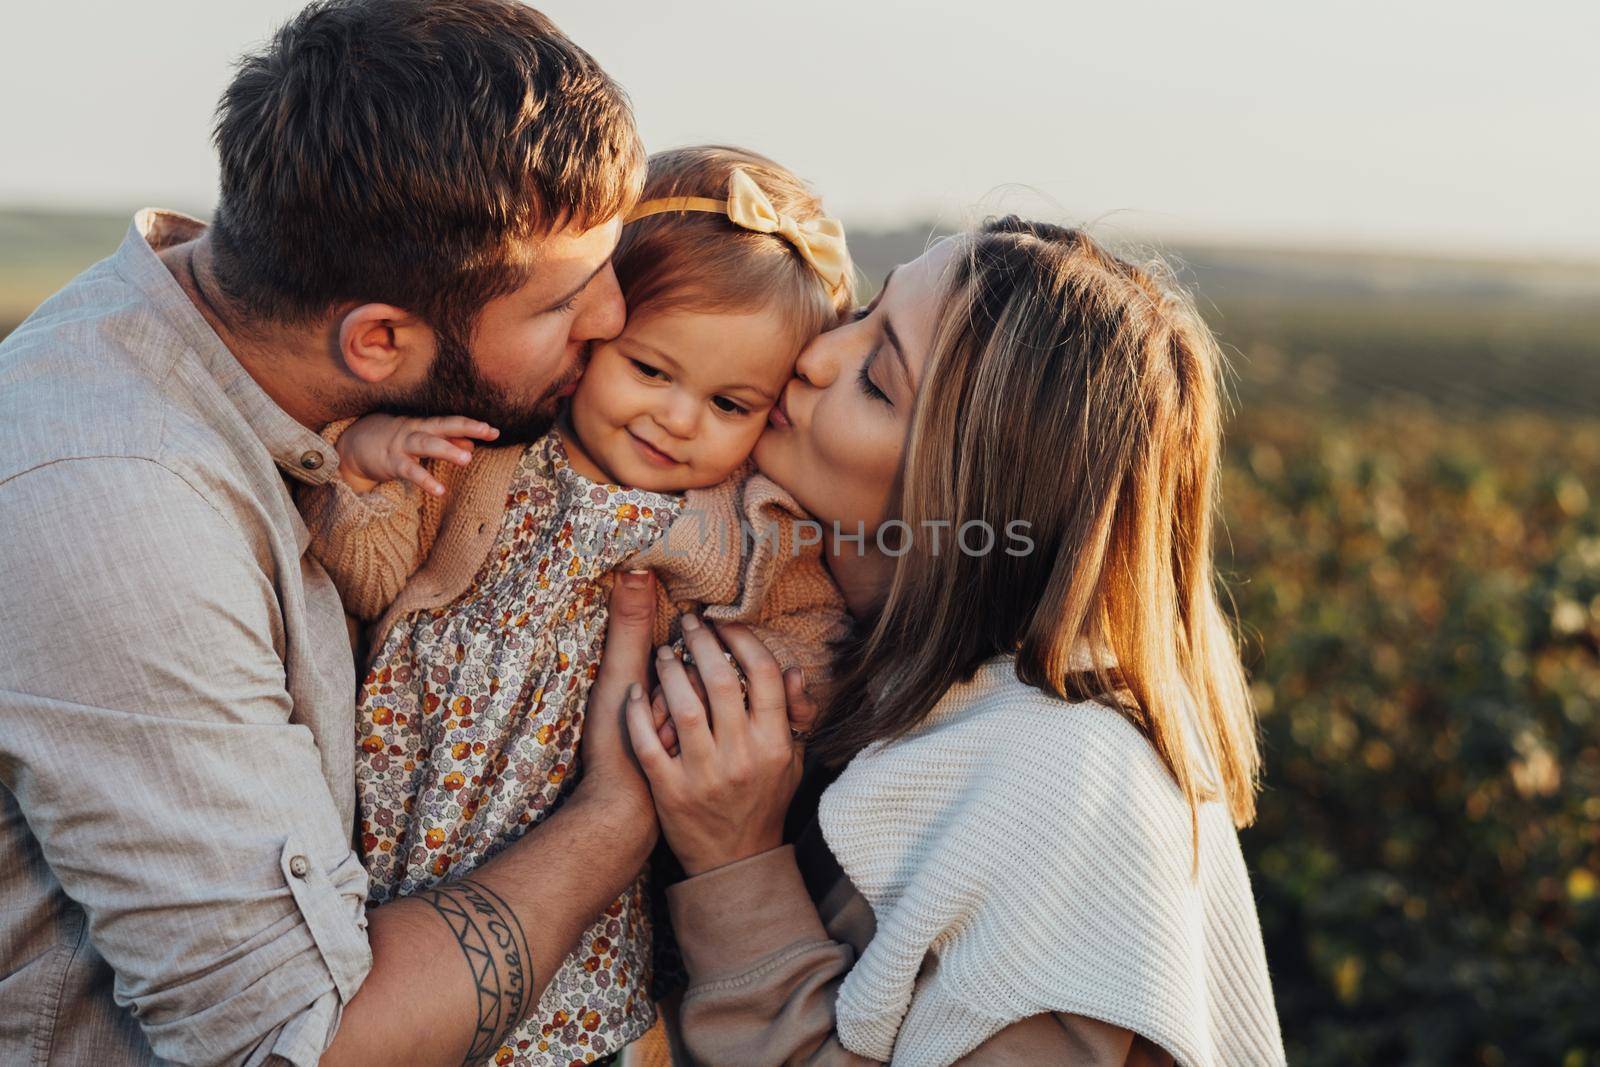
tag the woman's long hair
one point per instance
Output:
(1072, 391)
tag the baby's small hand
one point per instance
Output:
(385, 448)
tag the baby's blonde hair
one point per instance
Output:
(701, 261)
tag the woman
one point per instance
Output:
(1031, 856)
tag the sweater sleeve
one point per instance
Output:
(370, 543)
(763, 972)
(764, 977)
(742, 551)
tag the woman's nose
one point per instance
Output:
(818, 364)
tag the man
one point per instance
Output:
(418, 206)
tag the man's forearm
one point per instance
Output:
(484, 947)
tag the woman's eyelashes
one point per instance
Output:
(868, 386)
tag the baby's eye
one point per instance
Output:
(730, 407)
(646, 369)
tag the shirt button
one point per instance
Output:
(299, 867)
(311, 460)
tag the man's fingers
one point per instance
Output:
(626, 658)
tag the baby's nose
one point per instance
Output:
(679, 416)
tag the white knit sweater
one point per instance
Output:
(1041, 854)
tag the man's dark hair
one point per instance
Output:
(398, 151)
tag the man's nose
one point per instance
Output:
(602, 313)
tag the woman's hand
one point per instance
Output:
(724, 797)
(386, 448)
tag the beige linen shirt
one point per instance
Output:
(176, 695)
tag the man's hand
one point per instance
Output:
(610, 773)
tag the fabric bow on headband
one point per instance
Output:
(820, 242)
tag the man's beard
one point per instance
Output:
(455, 387)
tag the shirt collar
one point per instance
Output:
(299, 452)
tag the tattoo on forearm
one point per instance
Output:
(496, 949)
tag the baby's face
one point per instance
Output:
(678, 399)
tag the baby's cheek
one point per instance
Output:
(726, 449)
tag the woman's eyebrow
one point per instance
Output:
(899, 350)
(882, 289)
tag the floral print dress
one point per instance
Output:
(469, 720)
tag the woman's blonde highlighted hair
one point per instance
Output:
(701, 261)
(1076, 392)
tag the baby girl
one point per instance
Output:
(490, 598)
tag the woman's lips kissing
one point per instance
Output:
(778, 415)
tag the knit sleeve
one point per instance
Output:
(763, 973)
(370, 543)
(742, 552)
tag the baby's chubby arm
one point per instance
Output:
(367, 525)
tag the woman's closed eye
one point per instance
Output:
(868, 386)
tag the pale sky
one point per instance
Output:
(1427, 124)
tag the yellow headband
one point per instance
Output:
(820, 242)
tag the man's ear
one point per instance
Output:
(379, 340)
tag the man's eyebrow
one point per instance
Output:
(581, 286)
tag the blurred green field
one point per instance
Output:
(1412, 504)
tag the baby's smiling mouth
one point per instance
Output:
(651, 452)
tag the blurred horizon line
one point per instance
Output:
(1118, 226)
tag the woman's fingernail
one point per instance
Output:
(798, 675)
(691, 623)
(635, 579)
(635, 691)
(663, 652)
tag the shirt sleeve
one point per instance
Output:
(148, 735)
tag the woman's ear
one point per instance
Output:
(378, 340)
